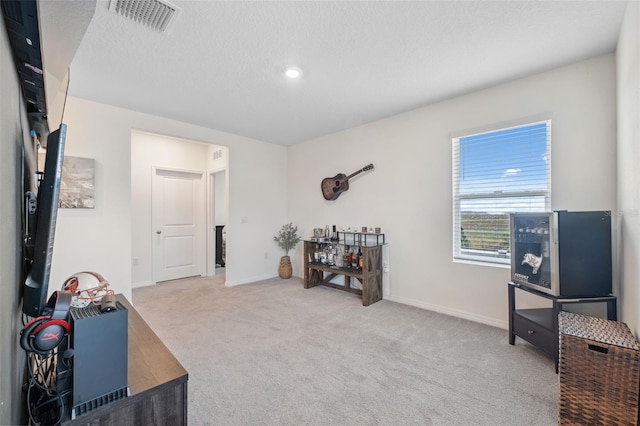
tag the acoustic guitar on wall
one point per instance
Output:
(332, 187)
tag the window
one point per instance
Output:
(496, 173)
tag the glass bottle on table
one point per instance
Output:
(347, 257)
(339, 259)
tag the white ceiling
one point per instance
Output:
(221, 66)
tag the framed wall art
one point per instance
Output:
(77, 188)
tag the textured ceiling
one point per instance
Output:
(221, 64)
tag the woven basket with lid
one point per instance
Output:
(599, 371)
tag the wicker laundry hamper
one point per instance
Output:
(599, 372)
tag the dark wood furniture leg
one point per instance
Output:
(612, 310)
(556, 310)
(512, 308)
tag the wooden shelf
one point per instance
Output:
(370, 276)
(541, 316)
(352, 272)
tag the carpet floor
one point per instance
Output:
(273, 353)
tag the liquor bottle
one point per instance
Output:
(360, 259)
(347, 257)
(338, 257)
(354, 259)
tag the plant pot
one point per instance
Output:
(285, 271)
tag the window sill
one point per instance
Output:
(482, 263)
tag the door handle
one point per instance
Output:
(158, 232)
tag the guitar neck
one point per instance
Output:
(355, 173)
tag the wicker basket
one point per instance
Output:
(599, 372)
(285, 270)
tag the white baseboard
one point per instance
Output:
(250, 280)
(449, 311)
(141, 284)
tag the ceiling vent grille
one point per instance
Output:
(159, 15)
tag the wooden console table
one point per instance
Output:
(157, 381)
(370, 276)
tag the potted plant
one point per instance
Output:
(287, 238)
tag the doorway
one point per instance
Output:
(218, 222)
(183, 169)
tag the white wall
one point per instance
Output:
(409, 194)
(100, 239)
(628, 173)
(13, 135)
(148, 151)
(218, 164)
(220, 204)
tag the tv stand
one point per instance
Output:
(540, 326)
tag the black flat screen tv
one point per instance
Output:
(36, 284)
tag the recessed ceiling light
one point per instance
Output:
(292, 72)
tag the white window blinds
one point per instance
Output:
(496, 173)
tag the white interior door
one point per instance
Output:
(177, 218)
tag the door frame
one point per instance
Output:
(201, 212)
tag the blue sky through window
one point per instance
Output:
(502, 162)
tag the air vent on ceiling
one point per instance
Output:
(159, 15)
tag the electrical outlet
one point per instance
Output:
(135, 261)
(266, 254)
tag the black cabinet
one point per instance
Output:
(539, 326)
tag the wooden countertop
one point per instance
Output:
(151, 364)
